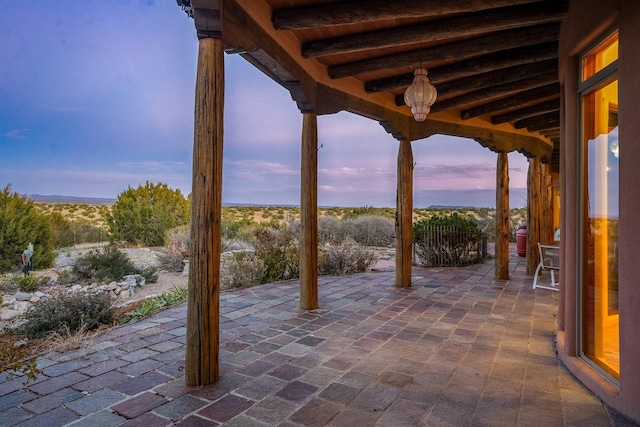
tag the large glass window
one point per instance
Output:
(600, 151)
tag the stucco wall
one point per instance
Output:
(588, 21)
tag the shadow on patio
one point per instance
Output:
(458, 348)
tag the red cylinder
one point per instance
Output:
(521, 241)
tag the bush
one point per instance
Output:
(370, 230)
(171, 260)
(28, 283)
(278, 250)
(20, 223)
(150, 274)
(145, 214)
(68, 233)
(447, 241)
(172, 257)
(347, 258)
(68, 313)
(329, 231)
(103, 266)
(241, 269)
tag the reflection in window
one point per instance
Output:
(599, 292)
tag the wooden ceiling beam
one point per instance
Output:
(534, 121)
(549, 125)
(552, 133)
(541, 94)
(450, 52)
(355, 12)
(433, 31)
(524, 113)
(472, 67)
(503, 76)
(494, 92)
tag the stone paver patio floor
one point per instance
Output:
(457, 348)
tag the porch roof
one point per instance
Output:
(493, 62)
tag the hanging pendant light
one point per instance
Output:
(421, 95)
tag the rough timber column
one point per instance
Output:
(203, 327)
(546, 194)
(404, 215)
(534, 212)
(502, 217)
(309, 214)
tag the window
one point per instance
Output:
(599, 179)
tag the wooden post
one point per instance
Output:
(309, 214)
(404, 215)
(203, 328)
(502, 217)
(534, 212)
(546, 193)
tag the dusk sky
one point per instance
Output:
(96, 96)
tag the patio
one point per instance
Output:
(456, 348)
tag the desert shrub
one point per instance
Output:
(447, 240)
(370, 230)
(178, 239)
(241, 269)
(172, 257)
(145, 214)
(347, 258)
(278, 250)
(232, 230)
(329, 230)
(28, 283)
(68, 233)
(104, 265)
(14, 360)
(170, 260)
(150, 274)
(20, 223)
(66, 277)
(349, 213)
(62, 230)
(68, 313)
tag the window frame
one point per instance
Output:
(598, 80)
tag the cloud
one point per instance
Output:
(17, 134)
(258, 170)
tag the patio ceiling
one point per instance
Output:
(493, 62)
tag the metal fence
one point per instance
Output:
(448, 246)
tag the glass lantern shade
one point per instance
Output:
(421, 95)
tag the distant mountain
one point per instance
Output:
(57, 199)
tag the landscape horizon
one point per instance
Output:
(102, 201)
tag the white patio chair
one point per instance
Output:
(549, 261)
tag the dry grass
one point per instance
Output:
(73, 340)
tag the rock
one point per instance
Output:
(34, 299)
(20, 343)
(22, 296)
(22, 306)
(39, 294)
(125, 294)
(7, 313)
(76, 288)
